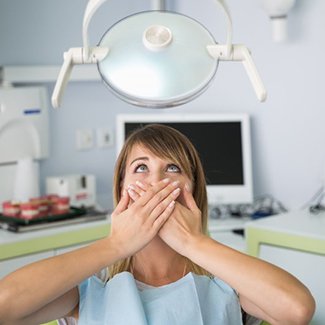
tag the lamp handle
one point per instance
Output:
(74, 56)
(63, 77)
(93, 6)
(242, 53)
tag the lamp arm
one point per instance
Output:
(91, 8)
(80, 55)
(226, 11)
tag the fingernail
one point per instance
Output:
(124, 192)
(175, 183)
(166, 180)
(188, 187)
(171, 204)
(139, 183)
(131, 186)
(131, 192)
(176, 192)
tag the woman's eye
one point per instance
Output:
(173, 169)
(141, 169)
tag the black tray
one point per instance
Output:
(16, 222)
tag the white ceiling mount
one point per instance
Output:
(278, 11)
(158, 4)
(156, 58)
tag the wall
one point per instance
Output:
(287, 130)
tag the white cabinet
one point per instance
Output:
(230, 239)
(222, 230)
(309, 268)
(19, 249)
(294, 241)
(13, 264)
(10, 265)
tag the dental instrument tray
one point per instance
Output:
(73, 216)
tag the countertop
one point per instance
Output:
(18, 244)
(31, 242)
(299, 223)
(299, 230)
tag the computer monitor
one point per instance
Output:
(223, 143)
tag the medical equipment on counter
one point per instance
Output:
(81, 189)
(156, 58)
(27, 180)
(23, 132)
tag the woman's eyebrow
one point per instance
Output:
(139, 158)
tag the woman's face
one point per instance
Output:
(142, 165)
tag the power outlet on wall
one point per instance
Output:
(84, 139)
(105, 137)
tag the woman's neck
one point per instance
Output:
(157, 264)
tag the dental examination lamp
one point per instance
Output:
(156, 58)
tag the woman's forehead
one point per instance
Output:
(140, 150)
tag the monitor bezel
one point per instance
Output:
(217, 194)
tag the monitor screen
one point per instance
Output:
(223, 144)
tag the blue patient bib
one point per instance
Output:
(192, 300)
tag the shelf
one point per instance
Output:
(46, 73)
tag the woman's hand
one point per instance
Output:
(184, 222)
(183, 225)
(135, 225)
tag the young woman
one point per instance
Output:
(158, 265)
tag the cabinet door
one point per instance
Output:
(10, 265)
(230, 239)
(309, 268)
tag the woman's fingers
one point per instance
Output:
(161, 197)
(133, 192)
(155, 195)
(189, 199)
(136, 190)
(163, 209)
(159, 222)
(143, 186)
(123, 204)
(153, 191)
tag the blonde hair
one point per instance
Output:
(166, 143)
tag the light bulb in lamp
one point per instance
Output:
(278, 11)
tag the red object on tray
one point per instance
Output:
(11, 209)
(59, 204)
(43, 205)
(29, 210)
(38, 207)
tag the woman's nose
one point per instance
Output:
(156, 177)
